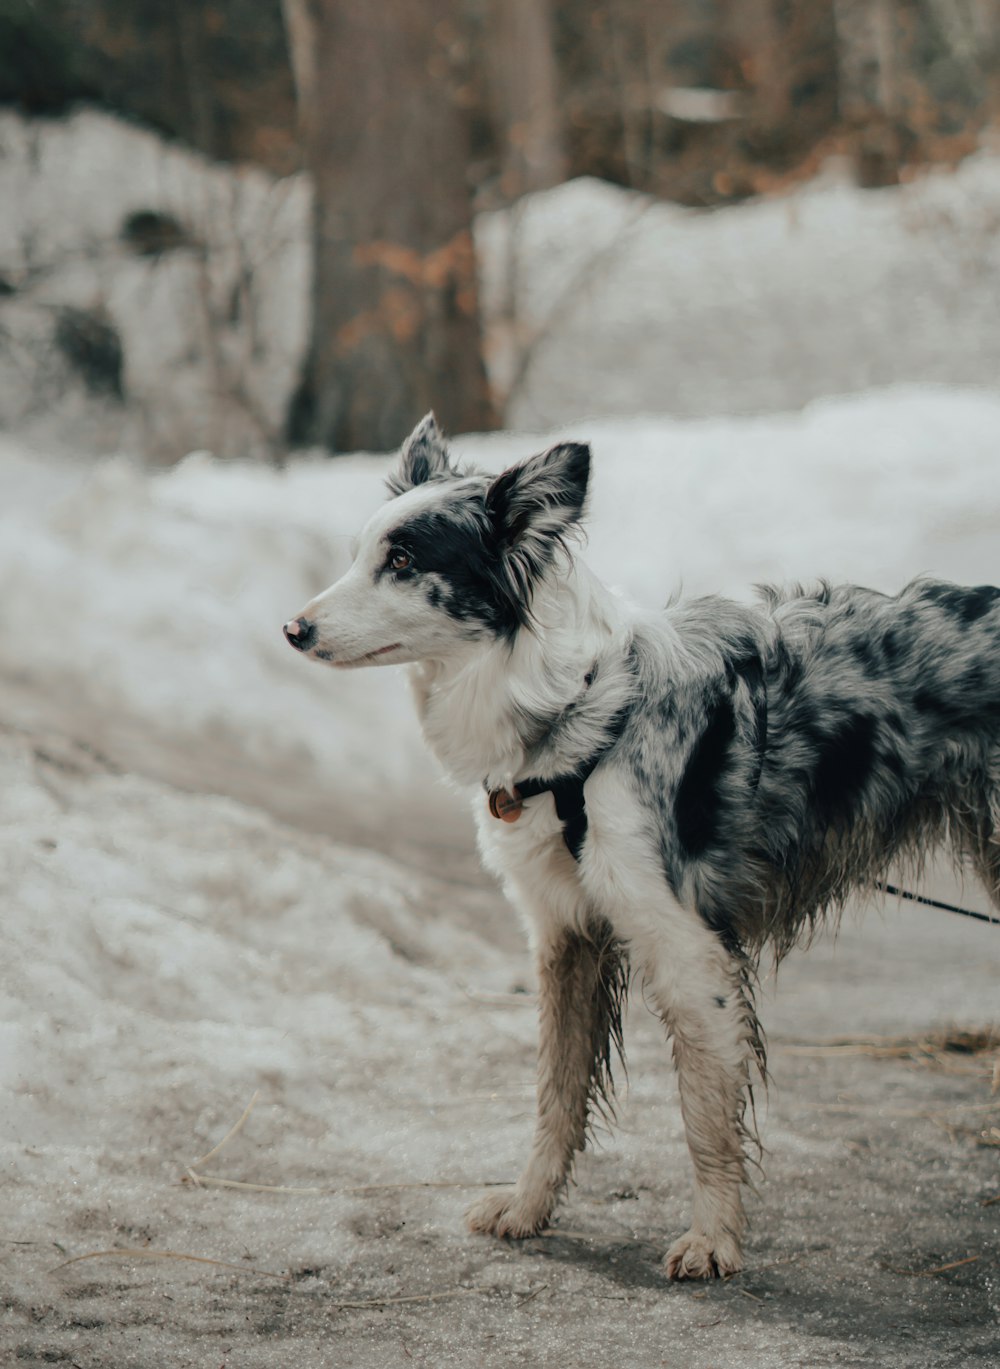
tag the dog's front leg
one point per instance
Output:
(580, 990)
(705, 1003)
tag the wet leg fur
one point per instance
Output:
(581, 988)
(703, 994)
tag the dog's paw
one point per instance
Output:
(697, 1256)
(506, 1213)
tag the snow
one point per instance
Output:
(226, 870)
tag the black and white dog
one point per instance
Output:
(666, 794)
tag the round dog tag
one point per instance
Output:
(506, 807)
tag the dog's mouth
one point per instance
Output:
(369, 658)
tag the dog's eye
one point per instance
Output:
(399, 559)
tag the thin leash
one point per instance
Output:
(936, 903)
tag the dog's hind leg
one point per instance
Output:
(581, 987)
(703, 997)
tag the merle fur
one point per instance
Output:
(859, 728)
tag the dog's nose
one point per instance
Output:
(300, 634)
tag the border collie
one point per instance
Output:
(664, 795)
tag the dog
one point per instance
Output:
(663, 795)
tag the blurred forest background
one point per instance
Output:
(410, 119)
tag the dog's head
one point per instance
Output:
(453, 557)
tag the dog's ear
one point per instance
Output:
(533, 507)
(423, 456)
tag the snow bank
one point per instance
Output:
(596, 301)
(600, 302)
(212, 330)
(151, 605)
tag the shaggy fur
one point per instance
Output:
(753, 766)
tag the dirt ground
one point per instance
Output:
(875, 1235)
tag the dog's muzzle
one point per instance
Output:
(300, 634)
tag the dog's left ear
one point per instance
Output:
(534, 506)
(424, 456)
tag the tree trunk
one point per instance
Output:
(395, 319)
(524, 83)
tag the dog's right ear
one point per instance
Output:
(533, 508)
(423, 456)
(540, 499)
